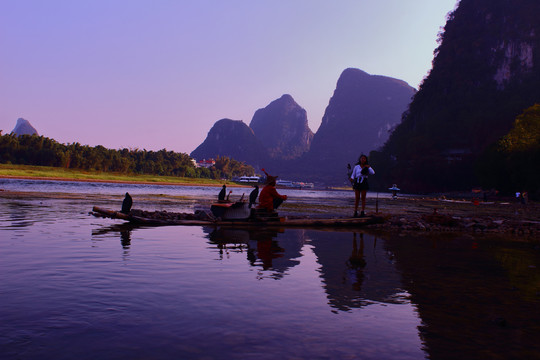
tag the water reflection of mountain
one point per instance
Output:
(272, 250)
(469, 302)
(348, 281)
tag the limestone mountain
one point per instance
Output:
(358, 119)
(234, 139)
(485, 72)
(282, 127)
(23, 127)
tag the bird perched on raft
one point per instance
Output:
(222, 193)
(126, 204)
(253, 195)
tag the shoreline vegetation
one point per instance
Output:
(63, 174)
(426, 214)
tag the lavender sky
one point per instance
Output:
(154, 74)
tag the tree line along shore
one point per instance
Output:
(37, 150)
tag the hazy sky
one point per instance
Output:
(154, 74)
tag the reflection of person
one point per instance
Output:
(267, 250)
(357, 263)
(269, 198)
(359, 180)
(356, 260)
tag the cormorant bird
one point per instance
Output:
(126, 204)
(253, 195)
(222, 193)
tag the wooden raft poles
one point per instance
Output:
(280, 222)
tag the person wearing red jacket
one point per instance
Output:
(269, 198)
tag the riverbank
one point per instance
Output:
(29, 172)
(406, 214)
(443, 215)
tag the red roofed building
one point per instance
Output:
(207, 163)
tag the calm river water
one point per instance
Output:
(79, 287)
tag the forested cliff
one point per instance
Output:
(486, 72)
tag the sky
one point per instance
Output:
(157, 74)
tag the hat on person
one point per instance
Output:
(269, 178)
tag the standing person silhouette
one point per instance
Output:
(359, 181)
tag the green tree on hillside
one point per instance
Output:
(525, 133)
(512, 164)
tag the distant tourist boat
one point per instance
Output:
(249, 179)
(294, 184)
(304, 185)
(284, 183)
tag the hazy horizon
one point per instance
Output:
(154, 75)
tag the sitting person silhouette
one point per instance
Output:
(270, 199)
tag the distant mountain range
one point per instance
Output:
(279, 131)
(360, 114)
(485, 74)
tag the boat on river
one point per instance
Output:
(256, 218)
(249, 180)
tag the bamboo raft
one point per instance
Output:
(257, 221)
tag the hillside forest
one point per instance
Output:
(462, 127)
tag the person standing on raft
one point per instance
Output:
(269, 198)
(359, 181)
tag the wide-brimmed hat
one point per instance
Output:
(270, 179)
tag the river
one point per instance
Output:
(76, 286)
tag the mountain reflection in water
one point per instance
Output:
(478, 297)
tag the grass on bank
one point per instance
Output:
(48, 172)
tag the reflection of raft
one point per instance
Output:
(204, 219)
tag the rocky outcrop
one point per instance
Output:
(358, 119)
(282, 127)
(234, 139)
(23, 127)
(362, 111)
